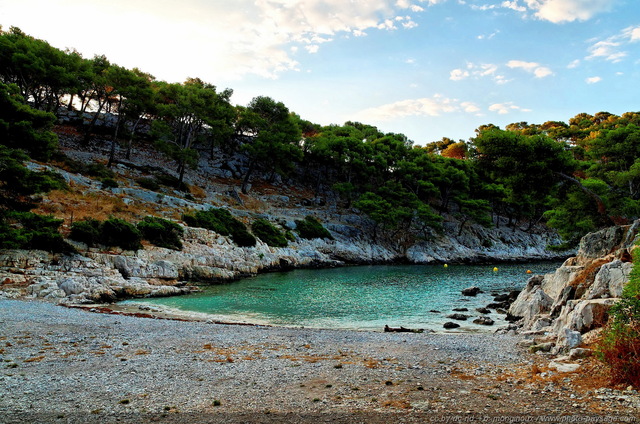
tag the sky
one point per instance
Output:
(425, 68)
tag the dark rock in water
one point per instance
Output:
(434, 311)
(501, 311)
(388, 329)
(513, 295)
(460, 309)
(501, 298)
(483, 310)
(449, 325)
(512, 318)
(459, 317)
(483, 321)
(471, 291)
(501, 305)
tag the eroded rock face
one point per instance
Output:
(577, 297)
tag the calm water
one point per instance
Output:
(362, 297)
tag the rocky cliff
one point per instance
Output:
(564, 307)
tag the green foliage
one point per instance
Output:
(171, 181)
(117, 232)
(222, 222)
(109, 183)
(26, 230)
(17, 182)
(269, 234)
(310, 228)
(88, 231)
(148, 183)
(161, 232)
(22, 127)
(620, 345)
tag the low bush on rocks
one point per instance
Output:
(27, 230)
(268, 233)
(620, 345)
(222, 222)
(161, 232)
(310, 228)
(113, 232)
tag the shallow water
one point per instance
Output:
(360, 297)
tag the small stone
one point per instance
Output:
(471, 291)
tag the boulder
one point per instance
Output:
(471, 291)
(610, 280)
(450, 325)
(531, 302)
(459, 317)
(583, 315)
(483, 321)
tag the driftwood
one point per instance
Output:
(388, 329)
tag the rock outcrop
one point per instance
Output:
(574, 300)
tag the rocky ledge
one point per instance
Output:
(560, 311)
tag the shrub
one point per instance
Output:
(88, 231)
(171, 181)
(620, 345)
(311, 228)
(109, 183)
(117, 232)
(161, 232)
(27, 230)
(222, 222)
(148, 183)
(269, 234)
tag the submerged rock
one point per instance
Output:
(471, 291)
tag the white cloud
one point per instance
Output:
(505, 108)
(593, 80)
(531, 67)
(513, 5)
(632, 33)
(475, 71)
(558, 11)
(607, 50)
(253, 36)
(426, 106)
(574, 64)
(458, 74)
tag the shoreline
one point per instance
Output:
(63, 362)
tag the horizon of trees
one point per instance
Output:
(576, 177)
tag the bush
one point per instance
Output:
(148, 183)
(171, 181)
(620, 345)
(117, 232)
(161, 232)
(27, 230)
(269, 234)
(311, 228)
(109, 183)
(222, 222)
(88, 231)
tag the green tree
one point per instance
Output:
(276, 137)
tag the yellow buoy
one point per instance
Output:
(495, 269)
(446, 265)
(528, 271)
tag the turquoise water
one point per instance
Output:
(359, 297)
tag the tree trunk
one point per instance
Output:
(245, 181)
(130, 141)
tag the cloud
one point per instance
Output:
(559, 11)
(253, 36)
(574, 64)
(611, 49)
(505, 108)
(426, 106)
(593, 80)
(531, 67)
(476, 71)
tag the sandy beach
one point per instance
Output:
(70, 365)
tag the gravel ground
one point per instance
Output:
(68, 365)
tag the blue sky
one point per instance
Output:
(425, 68)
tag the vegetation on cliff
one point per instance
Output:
(576, 177)
(620, 345)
